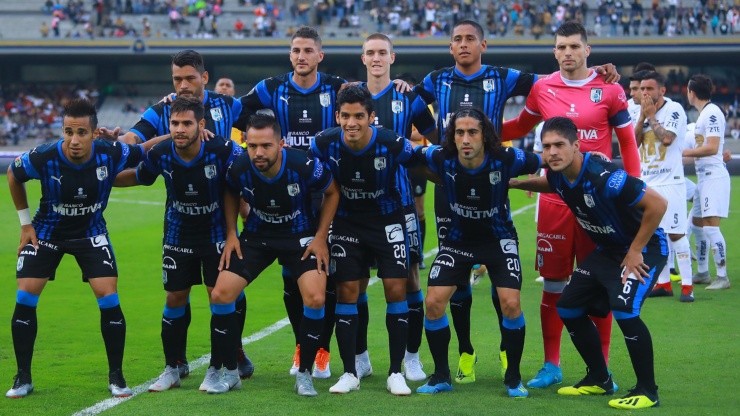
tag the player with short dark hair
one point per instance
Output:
(277, 183)
(369, 224)
(622, 216)
(194, 173)
(76, 175)
(475, 171)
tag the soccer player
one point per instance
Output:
(660, 134)
(713, 184)
(400, 112)
(76, 175)
(277, 183)
(225, 86)
(633, 104)
(194, 173)
(597, 108)
(369, 225)
(622, 216)
(475, 169)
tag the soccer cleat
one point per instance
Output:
(687, 293)
(229, 381)
(636, 398)
(212, 377)
(296, 360)
(518, 392)
(466, 368)
(719, 284)
(22, 386)
(244, 365)
(413, 369)
(504, 360)
(304, 384)
(117, 384)
(363, 366)
(701, 278)
(435, 385)
(169, 378)
(396, 384)
(540, 279)
(661, 289)
(347, 382)
(321, 367)
(587, 387)
(675, 277)
(183, 368)
(475, 275)
(548, 375)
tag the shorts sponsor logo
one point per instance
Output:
(582, 271)
(19, 265)
(164, 277)
(540, 260)
(394, 233)
(411, 223)
(544, 246)
(177, 249)
(344, 238)
(305, 241)
(442, 233)
(509, 246)
(434, 273)
(445, 260)
(28, 250)
(332, 266)
(337, 251)
(99, 241)
(48, 245)
(168, 263)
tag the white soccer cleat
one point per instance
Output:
(213, 376)
(117, 385)
(362, 365)
(22, 386)
(229, 381)
(413, 369)
(396, 384)
(347, 382)
(719, 284)
(304, 384)
(169, 378)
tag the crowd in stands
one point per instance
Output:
(407, 18)
(33, 111)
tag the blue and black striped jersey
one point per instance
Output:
(281, 205)
(479, 198)
(73, 197)
(603, 200)
(366, 178)
(221, 113)
(487, 89)
(194, 214)
(300, 112)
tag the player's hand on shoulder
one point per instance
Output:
(402, 86)
(168, 99)
(609, 72)
(206, 135)
(601, 155)
(108, 134)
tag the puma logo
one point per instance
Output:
(59, 179)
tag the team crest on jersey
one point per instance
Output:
(18, 162)
(488, 85)
(293, 189)
(216, 114)
(102, 172)
(324, 99)
(380, 163)
(397, 106)
(210, 171)
(596, 94)
(589, 200)
(494, 177)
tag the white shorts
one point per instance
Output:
(714, 197)
(674, 221)
(690, 188)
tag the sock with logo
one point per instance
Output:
(586, 340)
(24, 327)
(346, 329)
(293, 303)
(640, 347)
(311, 326)
(397, 324)
(363, 320)
(460, 305)
(113, 328)
(719, 249)
(224, 333)
(330, 306)
(438, 338)
(184, 334)
(513, 335)
(552, 327)
(415, 302)
(172, 333)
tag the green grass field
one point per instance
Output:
(696, 345)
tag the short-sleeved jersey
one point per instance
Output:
(479, 198)
(711, 123)
(660, 164)
(221, 113)
(399, 111)
(301, 112)
(194, 214)
(73, 197)
(487, 89)
(366, 178)
(280, 205)
(594, 106)
(634, 110)
(603, 200)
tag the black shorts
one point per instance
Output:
(418, 182)
(596, 284)
(452, 265)
(184, 267)
(260, 252)
(414, 237)
(442, 212)
(354, 242)
(94, 255)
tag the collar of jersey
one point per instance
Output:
(361, 151)
(469, 77)
(75, 165)
(571, 185)
(474, 171)
(307, 90)
(278, 176)
(195, 159)
(382, 92)
(579, 82)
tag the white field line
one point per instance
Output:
(106, 404)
